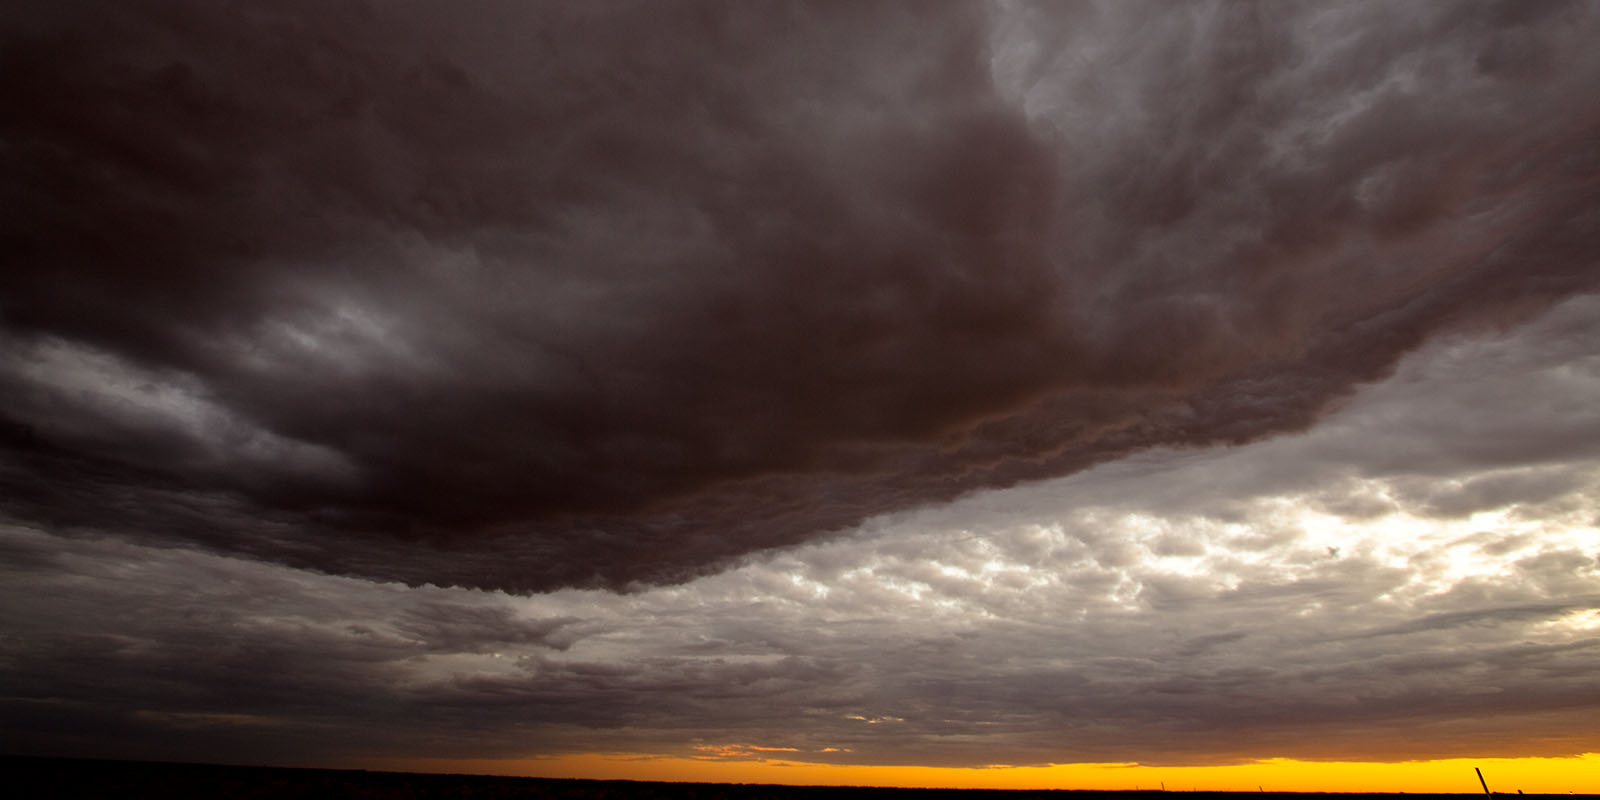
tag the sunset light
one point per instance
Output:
(1118, 395)
(1449, 776)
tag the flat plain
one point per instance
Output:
(29, 777)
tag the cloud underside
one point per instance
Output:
(538, 297)
(1395, 584)
(942, 384)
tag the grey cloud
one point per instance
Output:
(939, 637)
(1492, 490)
(474, 629)
(223, 655)
(1113, 615)
(321, 317)
(1491, 616)
(1466, 424)
(529, 297)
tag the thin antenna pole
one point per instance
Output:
(1485, 783)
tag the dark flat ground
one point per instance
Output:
(54, 778)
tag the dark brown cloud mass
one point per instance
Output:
(1394, 584)
(534, 295)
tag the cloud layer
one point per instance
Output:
(525, 297)
(1396, 584)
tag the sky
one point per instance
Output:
(1064, 394)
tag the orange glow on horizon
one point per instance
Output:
(1580, 774)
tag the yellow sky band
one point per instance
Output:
(1579, 774)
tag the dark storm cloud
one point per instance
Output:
(1305, 596)
(526, 296)
(1466, 425)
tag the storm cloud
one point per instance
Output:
(1295, 597)
(943, 384)
(525, 296)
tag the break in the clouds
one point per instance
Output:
(1417, 577)
(532, 295)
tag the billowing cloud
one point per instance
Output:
(529, 296)
(1307, 596)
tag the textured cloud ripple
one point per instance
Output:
(1397, 583)
(529, 296)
